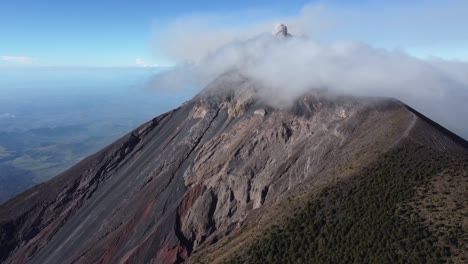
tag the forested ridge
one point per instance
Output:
(367, 219)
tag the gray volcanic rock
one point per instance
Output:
(191, 176)
(282, 30)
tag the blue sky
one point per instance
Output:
(96, 33)
(119, 33)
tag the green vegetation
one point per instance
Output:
(363, 220)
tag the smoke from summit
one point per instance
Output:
(289, 66)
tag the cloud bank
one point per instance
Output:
(288, 67)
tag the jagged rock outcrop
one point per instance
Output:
(282, 30)
(191, 176)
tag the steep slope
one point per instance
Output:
(384, 214)
(186, 182)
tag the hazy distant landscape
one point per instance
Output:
(52, 118)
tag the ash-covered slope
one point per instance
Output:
(179, 184)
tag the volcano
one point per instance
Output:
(226, 177)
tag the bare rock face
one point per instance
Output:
(190, 177)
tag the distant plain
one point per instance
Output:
(52, 118)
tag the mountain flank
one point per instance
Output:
(227, 177)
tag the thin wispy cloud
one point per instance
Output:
(142, 63)
(19, 59)
(7, 116)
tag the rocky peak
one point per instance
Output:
(282, 30)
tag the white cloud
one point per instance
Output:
(142, 63)
(289, 67)
(19, 59)
(425, 27)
